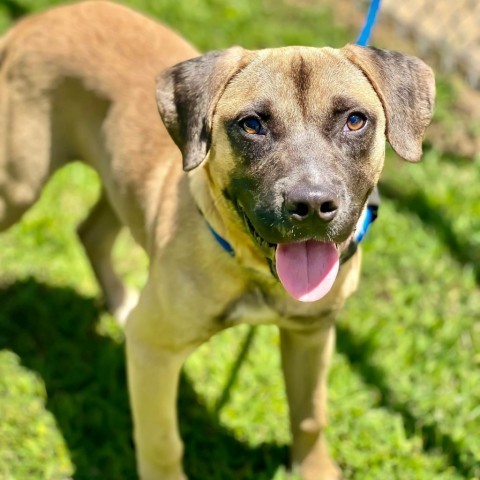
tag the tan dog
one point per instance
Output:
(282, 147)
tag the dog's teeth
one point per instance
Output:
(260, 240)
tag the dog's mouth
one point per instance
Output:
(267, 248)
(307, 269)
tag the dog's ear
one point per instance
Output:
(406, 88)
(187, 94)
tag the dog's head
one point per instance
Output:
(291, 141)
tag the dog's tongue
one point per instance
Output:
(308, 269)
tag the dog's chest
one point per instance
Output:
(250, 308)
(255, 308)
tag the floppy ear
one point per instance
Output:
(406, 88)
(187, 94)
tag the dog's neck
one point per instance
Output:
(214, 208)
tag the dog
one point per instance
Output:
(245, 198)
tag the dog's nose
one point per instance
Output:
(304, 204)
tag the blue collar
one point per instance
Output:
(221, 241)
(369, 215)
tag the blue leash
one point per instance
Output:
(371, 211)
(366, 32)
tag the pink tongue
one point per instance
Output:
(307, 270)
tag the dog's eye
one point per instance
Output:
(252, 126)
(355, 122)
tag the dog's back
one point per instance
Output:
(61, 71)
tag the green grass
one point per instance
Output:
(405, 381)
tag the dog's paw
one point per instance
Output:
(128, 303)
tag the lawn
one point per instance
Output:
(405, 381)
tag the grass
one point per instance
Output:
(405, 381)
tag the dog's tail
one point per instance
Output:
(17, 192)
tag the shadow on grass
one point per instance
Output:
(359, 353)
(417, 203)
(14, 9)
(53, 331)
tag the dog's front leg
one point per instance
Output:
(305, 360)
(153, 373)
